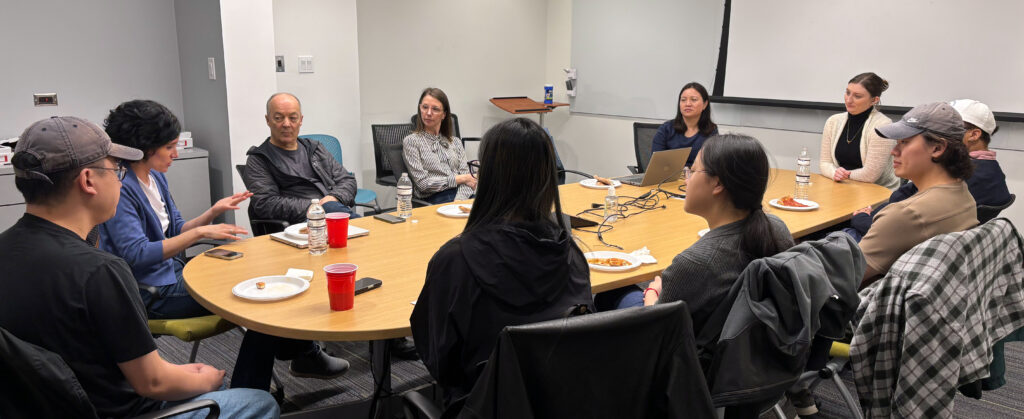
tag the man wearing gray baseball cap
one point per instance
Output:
(930, 153)
(82, 303)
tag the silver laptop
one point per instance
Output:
(665, 166)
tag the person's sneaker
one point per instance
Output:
(403, 348)
(804, 403)
(318, 365)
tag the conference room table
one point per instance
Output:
(398, 255)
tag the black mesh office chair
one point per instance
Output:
(988, 212)
(387, 135)
(260, 226)
(643, 138)
(579, 367)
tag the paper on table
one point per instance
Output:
(300, 273)
(644, 255)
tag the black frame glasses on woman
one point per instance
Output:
(474, 168)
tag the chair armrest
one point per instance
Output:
(270, 226)
(586, 175)
(184, 408)
(633, 169)
(419, 406)
(416, 203)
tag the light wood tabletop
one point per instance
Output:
(397, 254)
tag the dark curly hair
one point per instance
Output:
(142, 124)
(956, 160)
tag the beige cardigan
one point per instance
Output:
(874, 150)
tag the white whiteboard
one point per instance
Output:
(928, 50)
(632, 57)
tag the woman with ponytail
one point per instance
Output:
(726, 188)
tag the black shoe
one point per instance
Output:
(805, 405)
(318, 365)
(403, 348)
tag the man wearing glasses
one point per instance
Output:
(286, 171)
(80, 302)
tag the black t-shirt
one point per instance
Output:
(296, 163)
(848, 143)
(79, 302)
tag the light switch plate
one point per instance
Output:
(279, 63)
(44, 99)
(211, 68)
(305, 63)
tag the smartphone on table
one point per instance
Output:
(389, 218)
(367, 284)
(223, 254)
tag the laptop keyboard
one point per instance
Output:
(631, 179)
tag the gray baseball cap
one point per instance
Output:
(938, 118)
(64, 143)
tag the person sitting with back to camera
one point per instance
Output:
(691, 126)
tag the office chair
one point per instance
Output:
(643, 138)
(394, 153)
(364, 197)
(260, 226)
(578, 367)
(387, 135)
(988, 212)
(38, 383)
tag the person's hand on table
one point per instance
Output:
(841, 174)
(865, 210)
(328, 198)
(230, 203)
(653, 292)
(221, 231)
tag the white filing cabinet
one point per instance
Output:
(189, 179)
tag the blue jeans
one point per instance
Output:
(445, 196)
(234, 403)
(853, 233)
(625, 297)
(175, 301)
(335, 206)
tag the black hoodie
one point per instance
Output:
(486, 279)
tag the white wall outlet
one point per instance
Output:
(305, 63)
(211, 68)
(44, 99)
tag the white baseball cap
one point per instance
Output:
(976, 113)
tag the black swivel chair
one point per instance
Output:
(394, 153)
(36, 382)
(385, 135)
(988, 212)
(643, 138)
(632, 363)
(260, 226)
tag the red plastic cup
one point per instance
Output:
(341, 285)
(337, 229)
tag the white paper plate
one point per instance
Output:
(811, 205)
(592, 184)
(452, 210)
(633, 262)
(292, 231)
(277, 287)
(703, 232)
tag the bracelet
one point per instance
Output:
(656, 293)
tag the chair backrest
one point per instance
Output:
(643, 137)
(385, 135)
(258, 228)
(988, 212)
(331, 143)
(394, 153)
(36, 382)
(638, 362)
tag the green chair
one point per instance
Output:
(193, 329)
(364, 197)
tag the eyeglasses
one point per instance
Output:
(689, 173)
(430, 109)
(474, 168)
(120, 170)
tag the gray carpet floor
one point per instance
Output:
(357, 384)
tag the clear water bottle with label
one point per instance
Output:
(404, 196)
(316, 223)
(611, 206)
(803, 176)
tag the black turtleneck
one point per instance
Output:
(848, 141)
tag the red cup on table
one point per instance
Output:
(337, 229)
(341, 285)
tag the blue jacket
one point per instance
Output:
(134, 232)
(666, 138)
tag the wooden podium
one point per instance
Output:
(522, 105)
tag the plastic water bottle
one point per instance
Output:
(611, 206)
(316, 223)
(803, 176)
(404, 196)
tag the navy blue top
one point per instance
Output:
(668, 139)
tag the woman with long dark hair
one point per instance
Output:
(726, 187)
(514, 263)
(433, 155)
(692, 124)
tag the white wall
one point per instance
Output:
(248, 72)
(472, 49)
(327, 30)
(94, 55)
(604, 145)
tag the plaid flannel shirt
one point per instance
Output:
(929, 325)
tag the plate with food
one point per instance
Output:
(270, 288)
(789, 203)
(297, 231)
(608, 261)
(598, 182)
(455, 210)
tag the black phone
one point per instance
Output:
(223, 254)
(389, 218)
(366, 284)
